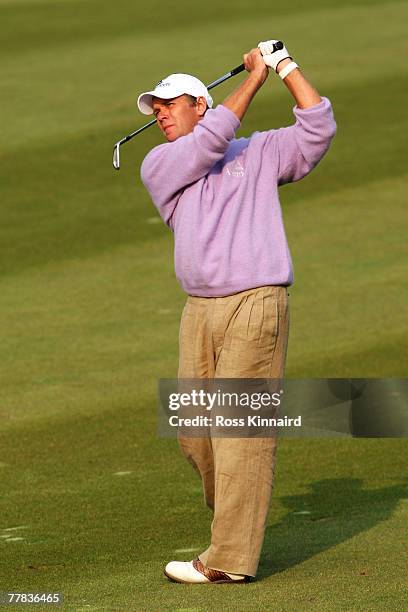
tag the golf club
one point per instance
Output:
(116, 153)
(116, 156)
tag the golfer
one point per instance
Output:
(219, 196)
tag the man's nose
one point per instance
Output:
(162, 114)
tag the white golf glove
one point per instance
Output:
(273, 52)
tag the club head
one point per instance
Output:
(116, 157)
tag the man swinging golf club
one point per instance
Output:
(219, 196)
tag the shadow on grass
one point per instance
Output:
(334, 511)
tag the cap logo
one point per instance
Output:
(162, 84)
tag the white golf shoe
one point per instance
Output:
(195, 572)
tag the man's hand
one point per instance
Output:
(272, 57)
(255, 65)
(240, 99)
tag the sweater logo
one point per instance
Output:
(236, 170)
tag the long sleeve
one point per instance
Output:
(169, 168)
(299, 147)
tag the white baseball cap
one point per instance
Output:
(171, 87)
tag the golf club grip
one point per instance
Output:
(237, 70)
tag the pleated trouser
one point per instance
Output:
(244, 335)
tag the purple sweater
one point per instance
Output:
(219, 195)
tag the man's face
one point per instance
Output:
(178, 116)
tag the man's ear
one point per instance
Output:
(201, 105)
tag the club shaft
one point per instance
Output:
(226, 76)
(129, 136)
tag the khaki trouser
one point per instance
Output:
(239, 336)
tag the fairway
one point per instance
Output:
(93, 502)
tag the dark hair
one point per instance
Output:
(193, 100)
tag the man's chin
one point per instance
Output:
(171, 137)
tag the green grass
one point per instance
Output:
(90, 306)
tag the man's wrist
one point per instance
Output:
(257, 78)
(283, 63)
